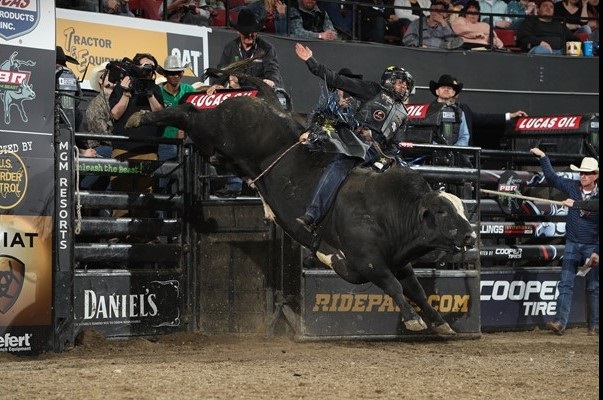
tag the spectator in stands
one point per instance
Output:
(131, 95)
(522, 8)
(247, 45)
(474, 120)
(574, 14)
(191, 12)
(474, 32)
(148, 9)
(172, 91)
(581, 239)
(372, 21)
(341, 15)
(398, 19)
(489, 7)
(593, 22)
(433, 31)
(117, 7)
(308, 21)
(61, 64)
(542, 34)
(272, 13)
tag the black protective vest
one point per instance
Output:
(448, 118)
(382, 115)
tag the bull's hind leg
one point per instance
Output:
(415, 292)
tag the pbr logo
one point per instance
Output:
(14, 86)
(18, 17)
(12, 274)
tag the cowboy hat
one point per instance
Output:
(63, 58)
(588, 164)
(247, 22)
(445, 80)
(95, 77)
(347, 72)
(172, 64)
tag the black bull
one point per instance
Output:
(379, 223)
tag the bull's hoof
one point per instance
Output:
(134, 119)
(444, 330)
(415, 325)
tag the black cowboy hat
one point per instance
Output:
(348, 72)
(247, 22)
(63, 58)
(445, 80)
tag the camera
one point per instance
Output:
(140, 75)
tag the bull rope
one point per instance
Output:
(274, 163)
(78, 204)
(518, 196)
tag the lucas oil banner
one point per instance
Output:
(26, 175)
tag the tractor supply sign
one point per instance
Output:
(18, 17)
(96, 38)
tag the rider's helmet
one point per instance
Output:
(389, 77)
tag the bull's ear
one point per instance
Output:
(426, 217)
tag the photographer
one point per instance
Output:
(135, 90)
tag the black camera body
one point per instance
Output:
(138, 75)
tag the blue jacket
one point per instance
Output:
(578, 229)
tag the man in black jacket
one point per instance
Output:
(543, 34)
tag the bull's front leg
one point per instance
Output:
(415, 292)
(391, 286)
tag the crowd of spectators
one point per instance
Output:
(441, 24)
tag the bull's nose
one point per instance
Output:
(470, 239)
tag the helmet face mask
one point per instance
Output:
(388, 80)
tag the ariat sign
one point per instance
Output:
(18, 17)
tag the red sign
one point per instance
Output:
(551, 123)
(204, 101)
(416, 110)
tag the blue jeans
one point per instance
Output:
(166, 152)
(544, 51)
(574, 256)
(326, 189)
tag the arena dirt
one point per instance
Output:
(498, 366)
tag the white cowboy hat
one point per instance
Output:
(588, 164)
(95, 76)
(171, 64)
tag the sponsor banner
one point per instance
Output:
(522, 229)
(96, 38)
(204, 101)
(417, 111)
(25, 283)
(526, 252)
(556, 123)
(525, 298)
(123, 303)
(21, 22)
(26, 90)
(333, 307)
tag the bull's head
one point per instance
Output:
(444, 215)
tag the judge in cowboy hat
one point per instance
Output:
(475, 120)
(581, 239)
